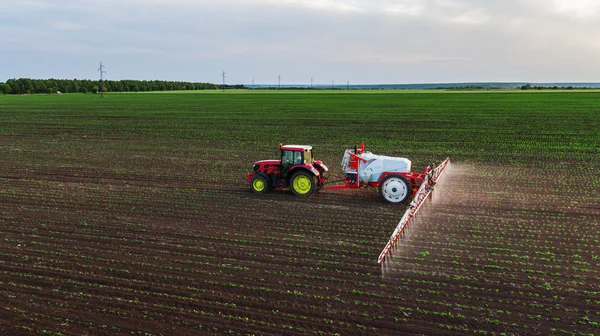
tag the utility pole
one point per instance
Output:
(253, 84)
(224, 76)
(311, 82)
(279, 85)
(101, 86)
(333, 84)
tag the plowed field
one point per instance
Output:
(130, 215)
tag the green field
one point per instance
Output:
(130, 215)
(525, 128)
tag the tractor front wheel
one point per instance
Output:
(259, 184)
(395, 189)
(303, 183)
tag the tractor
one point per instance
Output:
(304, 175)
(296, 169)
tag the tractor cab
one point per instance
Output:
(296, 169)
(292, 155)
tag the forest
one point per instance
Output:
(48, 86)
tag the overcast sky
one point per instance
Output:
(360, 41)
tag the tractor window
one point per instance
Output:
(308, 157)
(298, 158)
(291, 158)
(287, 157)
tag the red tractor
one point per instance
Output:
(297, 169)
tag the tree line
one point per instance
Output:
(555, 87)
(31, 86)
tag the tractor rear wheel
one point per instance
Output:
(303, 183)
(260, 184)
(395, 189)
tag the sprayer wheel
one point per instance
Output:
(395, 189)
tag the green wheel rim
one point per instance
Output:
(258, 185)
(302, 184)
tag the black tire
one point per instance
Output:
(395, 189)
(303, 183)
(260, 184)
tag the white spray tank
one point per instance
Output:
(374, 165)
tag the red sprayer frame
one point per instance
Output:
(415, 179)
(418, 200)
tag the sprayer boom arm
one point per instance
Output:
(431, 178)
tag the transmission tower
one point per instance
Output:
(102, 72)
(279, 85)
(224, 76)
(311, 82)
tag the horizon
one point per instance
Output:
(341, 84)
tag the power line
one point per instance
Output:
(102, 72)
(224, 76)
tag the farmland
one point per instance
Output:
(130, 215)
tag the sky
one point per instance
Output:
(299, 41)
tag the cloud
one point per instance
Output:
(412, 8)
(404, 59)
(28, 4)
(397, 40)
(471, 17)
(333, 5)
(579, 8)
(65, 25)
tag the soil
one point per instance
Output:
(94, 252)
